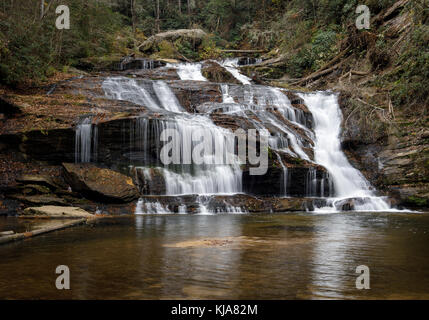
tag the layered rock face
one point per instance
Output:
(104, 143)
(394, 156)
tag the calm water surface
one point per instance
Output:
(288, 256)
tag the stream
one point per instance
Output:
(225, 256)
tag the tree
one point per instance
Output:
(133, 21)
(157, 22)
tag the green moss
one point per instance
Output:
(417, 201)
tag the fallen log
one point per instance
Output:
(25, 235)
(6, 233)
(320, 73)
(195, 35)
(242, 51)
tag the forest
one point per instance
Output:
(307, 34)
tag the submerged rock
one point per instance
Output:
(55, 212)
(99, 183)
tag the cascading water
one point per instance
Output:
(231, 65)
(86, 141)
(349, 182)
(211, 177)
(293, 132)
(188, 71)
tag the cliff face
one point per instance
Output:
(393, 154)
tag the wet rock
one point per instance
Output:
(297, 181)
(57, 212)
(239, 203)
(54, 146)
(216, 73)
(43, 199)
(33, 189)
(245, 61)
(37, 182)
(193, 93)
(345, 205)
(154, 74)
(99, 183)
(130, 63)
(150, 181)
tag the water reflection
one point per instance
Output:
(225, 257)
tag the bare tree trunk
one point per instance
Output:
(42, 9)
(189, 12)
(133, 18)
(157, 16)
(180, 6)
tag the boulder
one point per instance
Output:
(99, 183)
(56, 212)
(216, 73)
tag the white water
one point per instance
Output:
(154, 95)
(260, 105)
(216, 175)
(348, 181)
(188, 71)
(86, 141)
(143, 207)
(231, 65)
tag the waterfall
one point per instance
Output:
(86, 140)
(211, 177)
(285, 176)
(188, 71)
(311, 183)
(143, 207)
(286, 139)
(154, 95)
(348, 181)
(231, 66)
(294, 131)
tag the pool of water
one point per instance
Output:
(273, 256)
